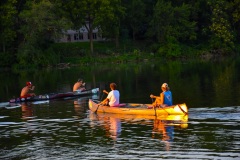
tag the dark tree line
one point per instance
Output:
(168, 27)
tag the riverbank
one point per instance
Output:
(63, 55)
(106, 52)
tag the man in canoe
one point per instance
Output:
(79, 85)
(165, 98)
(113, 96)
(26, 90)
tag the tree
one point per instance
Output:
(90, 13)
(171, 25)
(136, 16)
(7, 21)
(41, 25)
(169, 21)
(235, 18)
(220, 26)
(109, 20)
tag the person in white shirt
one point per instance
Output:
(113, 96)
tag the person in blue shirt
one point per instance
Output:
(165, 98)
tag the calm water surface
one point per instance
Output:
(66, 129)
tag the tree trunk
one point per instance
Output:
(117, 41)
(4, 47)
(90, 34)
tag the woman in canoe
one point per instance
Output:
(165, 98)
(26, 90)
(113, 96)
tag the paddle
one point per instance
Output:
(154, 108)
(104, 91)
(160, 107)
(182, 110)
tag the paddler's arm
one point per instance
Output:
(103, 102)
(105, 91)
(152, 96)
(32, 88)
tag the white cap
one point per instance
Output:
(164, 85)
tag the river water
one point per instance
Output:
(66, 129)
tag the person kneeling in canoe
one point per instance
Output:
(79, 85)
(112, 98)
(26, 90)
(165, 98)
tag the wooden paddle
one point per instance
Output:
(100, 100)
(159, 107)
(182, 110)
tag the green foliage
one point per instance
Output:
(110, 15)
(42, 26)
(26, 55)
(6, 59)
(7, 21)
(220, 27)
(70, 49)
(136, 19)
(167, 28)
(97, 13)
(172, 49)
(170, 21)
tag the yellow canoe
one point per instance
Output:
(139, 109)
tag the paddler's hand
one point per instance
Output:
(105, 91)
(152, 96)
(32, 88)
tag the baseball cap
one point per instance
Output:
(164, 85)
(29, 83)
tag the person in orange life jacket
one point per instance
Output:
(79, 85)
(165, 98)
(26, 90)
(113, 96)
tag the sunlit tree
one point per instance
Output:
(220, 25)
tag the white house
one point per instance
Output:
(80, 35)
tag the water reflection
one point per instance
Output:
(27, 111)
(81, 104)
(163, 127)
(111, 125)
(160, 126)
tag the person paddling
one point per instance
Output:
(165, 98)
(113, 96)
(26, 90)
(79, 85)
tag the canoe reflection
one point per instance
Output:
(163, 127)
(81, 104)
(28, 109)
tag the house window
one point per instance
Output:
(69, 38)
(94, 36)
(81, 36)
(76, 37)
